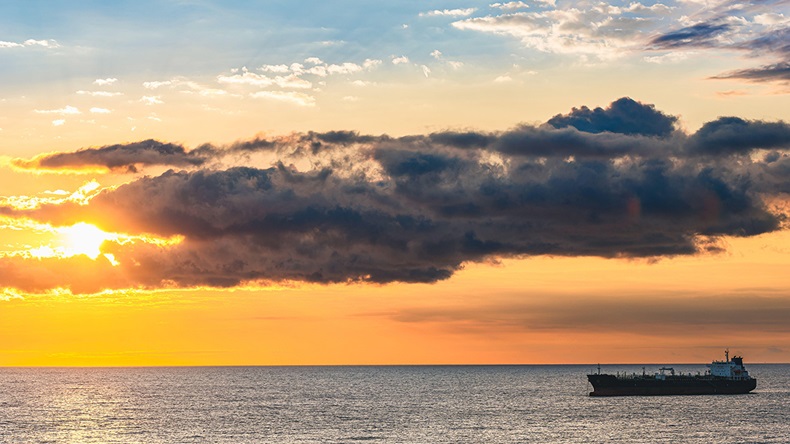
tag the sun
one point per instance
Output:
(83, 238)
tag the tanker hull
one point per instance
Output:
(610, 385)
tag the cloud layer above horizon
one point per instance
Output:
(614, 182)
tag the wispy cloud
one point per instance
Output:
(776, 72)
(449, 12)
(104, 82)
(670, 57)
(291, 97)
(641, 314)
(605, 32)
(30, 43)
(509, 6)
(665, 32)
(262, 81)
(730, 29)
(67, 110)
(152, 100)
(699, 35)
(99, 93)
(294, 76)
(156, 84)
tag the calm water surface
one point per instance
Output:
(420, 404)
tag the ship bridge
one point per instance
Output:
(730, 369)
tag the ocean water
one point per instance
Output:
(388, 404)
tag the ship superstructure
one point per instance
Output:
(722, 377)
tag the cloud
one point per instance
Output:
(753, 40)
(343, 68)
(605, 32)
(291, 97)
(152, 100)
(773, 41)
(107, 81)
(624, 116)
(776, 72)
(449, 12)
(611, 31)
(291, 77)
(99, 93)
(185, 86)
(565, 142)
(371, 63)
(67, 110)
(770, 19)
(123, 157)
(733, 135)
(156, 84)
(671, 57)
(593, 182)
(731, 93)
(640, 315)
(510, 5)
(699, 35)
(599, 29)
(50, 44)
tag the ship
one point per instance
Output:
(728, 377)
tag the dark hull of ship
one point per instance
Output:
(610, 385)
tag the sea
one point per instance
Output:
(375, 404)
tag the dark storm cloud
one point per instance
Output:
(468, 139)
(564, 142)
(623, 116)
(701, 34)
(733, 135)
(771, 174)
(624, 128)
(415, 209)
(122, 156)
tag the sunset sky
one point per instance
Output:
(413, 182)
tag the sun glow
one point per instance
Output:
(68, 241)
(83, 238)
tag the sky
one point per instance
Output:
(414, 182)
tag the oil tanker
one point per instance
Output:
(728, 377)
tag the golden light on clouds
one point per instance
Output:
(35, 166)
(54, 197)
(26, 238)
(84, 239)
